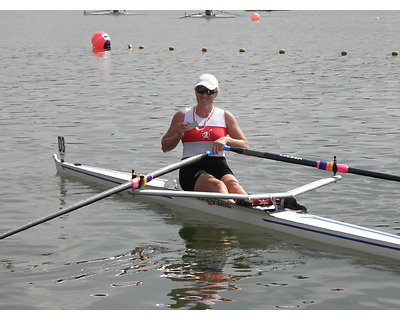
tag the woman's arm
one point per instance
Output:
(235, 136)
(175, 132)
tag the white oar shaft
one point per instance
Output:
(180, 164)
(134, 183)
(78, 205)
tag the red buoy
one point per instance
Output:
(101, 40)
(255, 17)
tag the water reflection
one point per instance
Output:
(202, 269)
(101, 62)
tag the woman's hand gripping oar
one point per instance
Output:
(136, 182)
(329, 166)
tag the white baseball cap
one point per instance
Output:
(207, 80)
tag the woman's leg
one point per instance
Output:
(232, 184)
(208, 183)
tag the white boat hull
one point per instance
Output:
(110, 13)
(208, 17)
(284, 220)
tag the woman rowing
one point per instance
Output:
(202, 128)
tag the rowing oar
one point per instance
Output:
(322, 165)
(235, 14)
(136, 182)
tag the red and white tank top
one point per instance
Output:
(201, 139)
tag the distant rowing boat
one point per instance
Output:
(209, 14)
(275, 211)
(108, 12)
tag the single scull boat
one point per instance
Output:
(277, 211)
(109, 12)
(208, 14)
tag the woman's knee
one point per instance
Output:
(210, 184)
(234, 186)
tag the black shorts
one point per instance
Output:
(216, 166)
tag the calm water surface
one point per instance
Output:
(113, 109)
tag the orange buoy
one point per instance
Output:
(101, 40)
(255, 17)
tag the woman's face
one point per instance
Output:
(205, 96)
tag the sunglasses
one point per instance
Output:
(204, 90)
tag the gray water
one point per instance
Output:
(113, 109)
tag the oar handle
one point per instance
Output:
(322, 165)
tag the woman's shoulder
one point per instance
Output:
(181, 113)
(227, 113)
(183, 110)
(218, 109)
